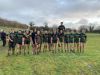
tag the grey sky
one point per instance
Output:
(52, 11)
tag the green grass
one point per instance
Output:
(54, 64)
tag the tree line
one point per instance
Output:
(12, 24)
(91, 28)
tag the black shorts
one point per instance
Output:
(12, 45)
(33, 41)
(60, 40)
(54, 41)
(20, 43)
(45, 41)
(76, 41)
(82, 41)
(49, 42)
(27, 42)
(66, 41)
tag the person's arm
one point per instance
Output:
(51, 40)
(9, 38)
(85, 37)
(31, 39)
(23, 39)
(35, 40)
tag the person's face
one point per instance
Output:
(27, 32)
(46, 32)
(19, 32)
(61, 23)
(38, 32)
(13, 31)
(54, 32)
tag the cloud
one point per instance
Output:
(52, 11)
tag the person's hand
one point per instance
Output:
(23, 44)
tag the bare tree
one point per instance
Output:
(54, 27)
(31, 25)
(83, 27)
(46, 26)
(91, 27)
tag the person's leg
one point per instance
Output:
(9, 50)
(56, 47)
(80, 47)
(62, 46)
(38, 48)
(66, 47)
(46, 47)
(53, 49)
(49, 46)
(13, 50)
(59, 46)
(28, 48)
(71, 47)
(20, 48)
(34, 47)
(24, 48)
(74, 47)
(83, 47)
(43, 47)
(3, 40)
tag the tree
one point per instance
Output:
(91, 27)
(54, 27)
(46, 26)
(83, 27)
(31, 25)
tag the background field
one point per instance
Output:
(54, 64)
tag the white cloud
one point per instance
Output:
(52, 11)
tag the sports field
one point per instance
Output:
(54, 64)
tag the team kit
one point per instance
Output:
(35, 42)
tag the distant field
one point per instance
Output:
(54, 64)
(8, 29)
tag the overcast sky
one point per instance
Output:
(51, 11)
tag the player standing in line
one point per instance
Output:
(33, 34)
(83, 39)
(20, 42)
(38, 41)
(71, 41)
(45, 41)
(61, 41)
(49, 41)
(61, 27)
(55, 41)
(76, 40)
(27, 41)
(11, 43)
(66, 40)
(3, 38)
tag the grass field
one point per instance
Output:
(54, 64)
